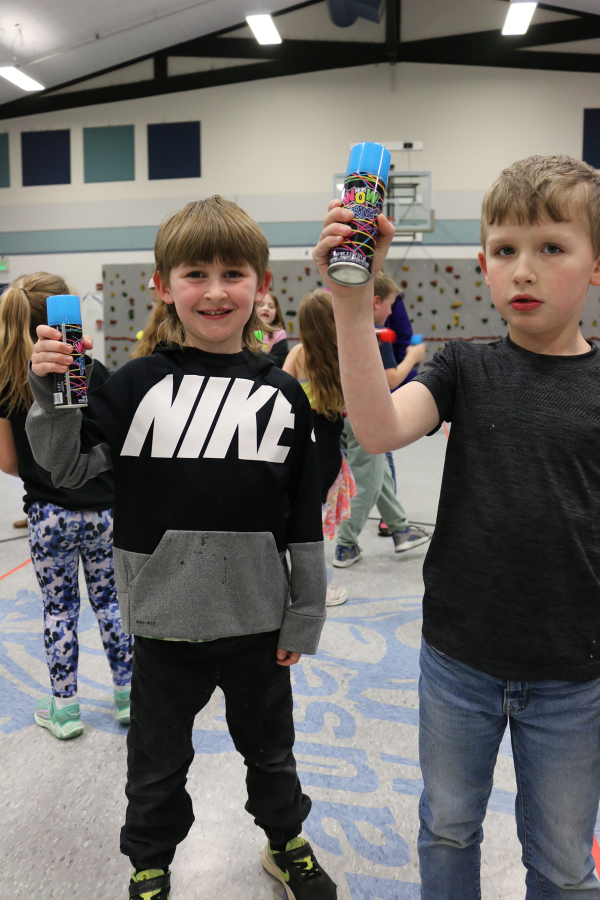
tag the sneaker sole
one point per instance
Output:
(271, 868)
(62, 732)
(408, 545)
(338, 600)
(124, 717)
(348, 562)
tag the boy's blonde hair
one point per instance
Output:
(22, 309)
(555, 187)
(203, 232)
(384, 285)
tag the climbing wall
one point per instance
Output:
(445, 299)
(127, 306)
(291, 282)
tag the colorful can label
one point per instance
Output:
(351, 261)
(70, 387)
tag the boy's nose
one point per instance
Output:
(524, 274)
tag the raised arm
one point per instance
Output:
(381, 421)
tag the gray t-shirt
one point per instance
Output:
(512, 576)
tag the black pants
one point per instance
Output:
(172, 682)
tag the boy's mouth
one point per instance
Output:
(214, 313)
(525, 303)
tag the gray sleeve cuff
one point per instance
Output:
(54, 436)
(42, 389)
(304, 618)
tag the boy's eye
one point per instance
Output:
(552, 249)
(195, 274)
(233, 273)
(505, 251)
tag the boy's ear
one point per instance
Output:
(376, 301)
(164, 292)
(263, 287)
(483, 264)
(595, 279)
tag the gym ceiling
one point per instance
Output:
(87, 52)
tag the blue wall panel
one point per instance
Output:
(591, 137)
(174, 150)
(108, 154)
(46, 157)
(4, 162)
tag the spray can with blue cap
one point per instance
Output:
(351, 262)
(70, 387)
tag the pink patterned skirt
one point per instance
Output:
(337, 506)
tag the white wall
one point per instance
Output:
(274, 145)
(287, 136)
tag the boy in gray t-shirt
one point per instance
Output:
(511, 612)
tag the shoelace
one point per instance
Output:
(307, 867)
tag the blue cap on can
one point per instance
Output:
(416, 339)
(63, 309)
(371, 158)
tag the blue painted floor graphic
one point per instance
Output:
(349, 702)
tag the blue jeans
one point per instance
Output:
(555, 735)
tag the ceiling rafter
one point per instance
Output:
(294, 56)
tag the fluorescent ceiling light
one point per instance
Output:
(518, 18)
(20, 79)
(264, 29)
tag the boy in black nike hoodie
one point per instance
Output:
(225, 440)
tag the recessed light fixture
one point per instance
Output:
(20, 79)
(264, 29)
(518, 17)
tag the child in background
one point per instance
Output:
(275, 340)
(315, 365)
(511, 612)
(400, 358)
(64, 524)
(216, 476)
(374, 484)
(150, 336)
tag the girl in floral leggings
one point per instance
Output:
(64, 525)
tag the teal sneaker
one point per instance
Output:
(298, 870)
(122, 704)
(63, 723)
(150, 884)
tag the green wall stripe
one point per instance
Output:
(141, 237)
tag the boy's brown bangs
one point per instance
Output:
(558, 188)
(208, 231)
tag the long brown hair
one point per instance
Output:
(319, 342)
(151, 335)
(22, 309)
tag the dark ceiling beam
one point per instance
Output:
(392, 30)
(297, 60)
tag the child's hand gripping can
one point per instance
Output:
(70, 387)
(351, 261)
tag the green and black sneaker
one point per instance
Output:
(299, 871)
(150, 884)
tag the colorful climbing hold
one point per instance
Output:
(404, 284)
(456, 305)
(455, 319)
(449, 268)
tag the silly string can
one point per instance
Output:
(351, 261)
(70, 387)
